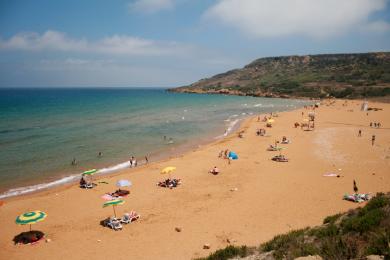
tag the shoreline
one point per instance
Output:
(154, 157)
(249, 202)
(175, 152)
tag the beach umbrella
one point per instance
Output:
(123, 183)
(30, 218)
(113, 203)
(90, 172)
(270, 120)
(168, 170)
(233, 155)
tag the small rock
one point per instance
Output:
(206, 246)
(178, 229)
(374, 257)
(48, 240)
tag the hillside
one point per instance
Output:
(352, 235)
(327, 75)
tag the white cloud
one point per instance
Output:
(151, 6)
(314, 18)
(114, 45)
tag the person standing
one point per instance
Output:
(360, 133)
(146, 159)
(372, 139)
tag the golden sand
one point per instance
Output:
(249, 202)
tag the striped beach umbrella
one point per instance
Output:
(29, 218)
(113, 203)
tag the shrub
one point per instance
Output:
(331, 219)
(227, 253)
(363, 223)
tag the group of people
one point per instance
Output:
(86, 184)
(375, 124)
(260, 132)
(169, 183)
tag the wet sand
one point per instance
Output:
(250, 201)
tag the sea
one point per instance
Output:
(42, 130)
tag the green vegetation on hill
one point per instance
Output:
(328, 75)
(352, 235)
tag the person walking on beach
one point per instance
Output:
(146, 159)
(360, 133)
(355, 188)
(74, 162)
(372, 139)
(131, 161)
(100, 154)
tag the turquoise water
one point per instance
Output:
(42, 130)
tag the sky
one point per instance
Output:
(170, 43)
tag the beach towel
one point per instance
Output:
(110, 197)
(357, 197)
(331, 175)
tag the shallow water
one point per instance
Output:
(42, 130)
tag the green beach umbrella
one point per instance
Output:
(90, 172)
(113, 203)
(29, 218)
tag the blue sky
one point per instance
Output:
(168, 43)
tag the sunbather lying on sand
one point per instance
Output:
(273, 148)
(280, 158)
(120, 193)
(214, 170)
(169, 183)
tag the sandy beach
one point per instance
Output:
(249, 202)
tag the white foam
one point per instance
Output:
(229, 129)
(32, 188)
(68, 179)
(258, 105)
(114, 168)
